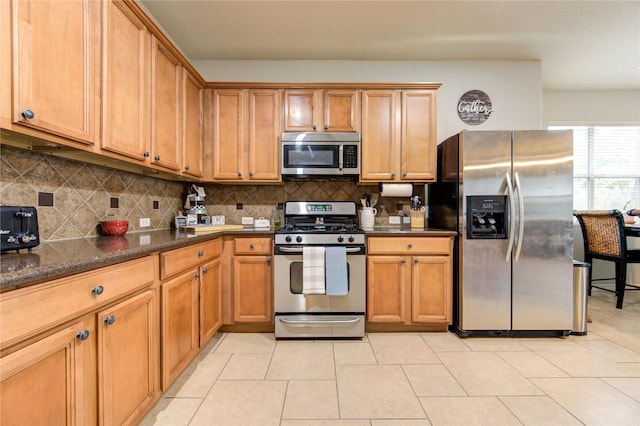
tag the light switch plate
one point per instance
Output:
(145, 222)
(247, 220)
(394, 220)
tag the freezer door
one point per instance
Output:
(484, 291)
(543, 252)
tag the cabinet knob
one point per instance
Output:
(186, 167)
(204, 270)
(404, 174)
(200, 253)
(393, 174)
(326, 127)
(98, 290)
(409, 245)
(146, 154)
(196, 276)
(415, 261)
(28, 114)
(250, 173)
(157, 158)
(314, 127)
(403, 261)
(251, 246)
(239, 174)
(83, 335)
(110, 320)
(268, 261)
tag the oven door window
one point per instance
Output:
(312, 156)
(295, 277)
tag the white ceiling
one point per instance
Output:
(583, 45)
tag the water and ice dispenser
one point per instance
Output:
(487, 217)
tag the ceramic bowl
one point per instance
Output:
(114, 227)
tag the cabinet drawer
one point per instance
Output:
(175, 261)
(31, 310)
(255, 245)
(409, 245)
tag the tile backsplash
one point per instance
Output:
(83, 195)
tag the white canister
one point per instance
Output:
(368, 217)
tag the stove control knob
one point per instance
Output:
(340, 239)
(288, 238)
(299, 239)
(25, 239)
(351, 239)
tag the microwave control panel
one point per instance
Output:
(350, 160)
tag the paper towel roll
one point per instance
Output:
(396, 189)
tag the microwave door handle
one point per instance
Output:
(340, 156)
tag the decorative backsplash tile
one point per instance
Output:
(82, 195)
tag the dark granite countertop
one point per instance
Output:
(56, 259)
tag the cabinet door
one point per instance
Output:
(388, 289)
(193, 135)
(228, 134)
(431, 289)
(210, 299)
(300, 110)
(264, 135)
(127, 354)
(166, 107)
(379, 139)
(56, 67)
(180, 316)
(340, 111)
(125, 100)
(252, 289)
(47, 382)
(419, 143)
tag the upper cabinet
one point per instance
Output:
(246, 135)
(166, 107)
(126, 80)
(399, 138)
(56, 73)
(193, 125)
(313, 110)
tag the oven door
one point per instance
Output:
(318, 316)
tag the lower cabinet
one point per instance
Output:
(409, 280)
(87, 350)
(191, 303)
(253, 281)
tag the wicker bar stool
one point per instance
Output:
(603, 234)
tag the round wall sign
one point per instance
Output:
(474, 107)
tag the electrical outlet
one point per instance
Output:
(145, 222)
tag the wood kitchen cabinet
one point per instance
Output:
(126, 41)
(399, 138)
(74, 366)
(246, 135)
(166, 107)
(56, 66)
(311, 110)
(409, 280)
(190, 292)
(253, 280)
(193, 125)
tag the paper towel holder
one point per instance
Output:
(395, 189)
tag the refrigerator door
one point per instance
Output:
(543, 252)
(485, 275)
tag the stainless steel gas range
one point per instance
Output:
(323, 226)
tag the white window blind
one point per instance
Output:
(606, 167)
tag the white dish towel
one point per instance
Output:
(313, 270)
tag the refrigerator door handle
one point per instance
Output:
(520, 215)
(512, 223)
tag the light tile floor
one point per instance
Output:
(417, 379)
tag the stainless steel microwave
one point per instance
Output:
(320, 154)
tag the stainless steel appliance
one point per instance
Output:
(320, 154)
(510, 197)
(18, 228)
(320, 224)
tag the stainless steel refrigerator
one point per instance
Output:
(509, 194)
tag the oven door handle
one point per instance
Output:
(299, 249)
(318, 322)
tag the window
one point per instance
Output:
(606, 167)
